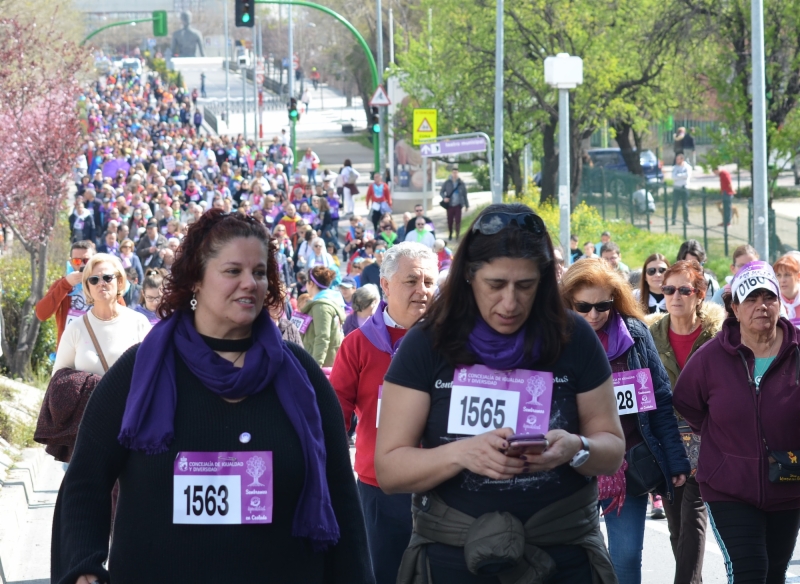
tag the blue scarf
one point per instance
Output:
(619, 339)
(148, 421)
(499, 351)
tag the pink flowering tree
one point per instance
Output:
(40, 132)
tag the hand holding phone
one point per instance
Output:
(520, 444)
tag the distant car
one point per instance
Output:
(611, 159)
(133, 64)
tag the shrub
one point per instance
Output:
(15, 276)
(481, 176)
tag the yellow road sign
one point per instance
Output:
(424, 125)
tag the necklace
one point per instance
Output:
(113, 316)
(239, 357)
(769, 352)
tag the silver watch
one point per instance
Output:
(582, 455)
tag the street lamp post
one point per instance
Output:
(760, 195)
(564, 73)
(497, 186)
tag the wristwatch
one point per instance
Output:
(582, 455)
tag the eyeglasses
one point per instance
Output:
(107, 278)
(652, 271)
(152, 298)
(683, 290)
(493, 223)
(586, 307)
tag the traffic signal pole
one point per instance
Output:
(370, 58)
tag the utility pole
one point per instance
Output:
(227, 67)
(255, 80)
(292, 139)
(390, 109)
(760, 195)
(564, 73)
(382, 109)
(244, 101)
(497, 187)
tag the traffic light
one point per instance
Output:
(375, 120)
(294, 115)
(245, 13)
(160, 23)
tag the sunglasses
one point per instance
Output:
(493, 223)
(79, 262)
(683, 290)
(652, 271)
(586, 307)
(107, 278)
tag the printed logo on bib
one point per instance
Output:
(484, 399)
(222, 488)
(301, 321)
(633, 391)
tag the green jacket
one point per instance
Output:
(324, 334)
(711, 318)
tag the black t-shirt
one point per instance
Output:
(583, 366)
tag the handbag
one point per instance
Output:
(783, 464)
(691, 444)
(97, 348)
(644, 474)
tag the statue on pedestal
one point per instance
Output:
(187, 41)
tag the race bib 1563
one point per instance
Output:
(222, 488)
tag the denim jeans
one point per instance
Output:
(626, 538)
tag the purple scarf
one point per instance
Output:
(619, 339)
(499, 351)
(148, 422)
(377, 332)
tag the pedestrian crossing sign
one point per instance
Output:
(425, 122)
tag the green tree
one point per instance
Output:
(627, 49)
(728, 71)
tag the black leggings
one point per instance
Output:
(756, 545)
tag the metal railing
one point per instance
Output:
(696, 214)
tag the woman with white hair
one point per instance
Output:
(108, 328)
(318, 256)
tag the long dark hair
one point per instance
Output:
(452, 316)
(644, 286)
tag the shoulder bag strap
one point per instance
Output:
(95, 343)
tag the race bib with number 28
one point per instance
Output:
(222, 488)
(484, 399)
(633, 391)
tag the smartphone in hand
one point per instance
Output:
(519, 444)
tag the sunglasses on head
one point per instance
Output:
(493, 223)
(652, 271)
(107, 278)
(586, 307)
(683, 290)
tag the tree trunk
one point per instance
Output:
(575, 163)
(20, 362)
(629, 153)
(512, 172)
(550, 162)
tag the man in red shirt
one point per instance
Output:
(726, 186)
(408, 279)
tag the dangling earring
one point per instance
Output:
(193, 302)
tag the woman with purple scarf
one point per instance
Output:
(227, 442)
(655, 459)
(498, 362)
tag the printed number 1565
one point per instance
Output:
(487, 413)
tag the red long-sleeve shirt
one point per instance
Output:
(358, 370)
(725, 183)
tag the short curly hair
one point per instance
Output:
(204, 240)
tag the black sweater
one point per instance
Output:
(147, 546)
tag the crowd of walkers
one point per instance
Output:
(234, 342)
